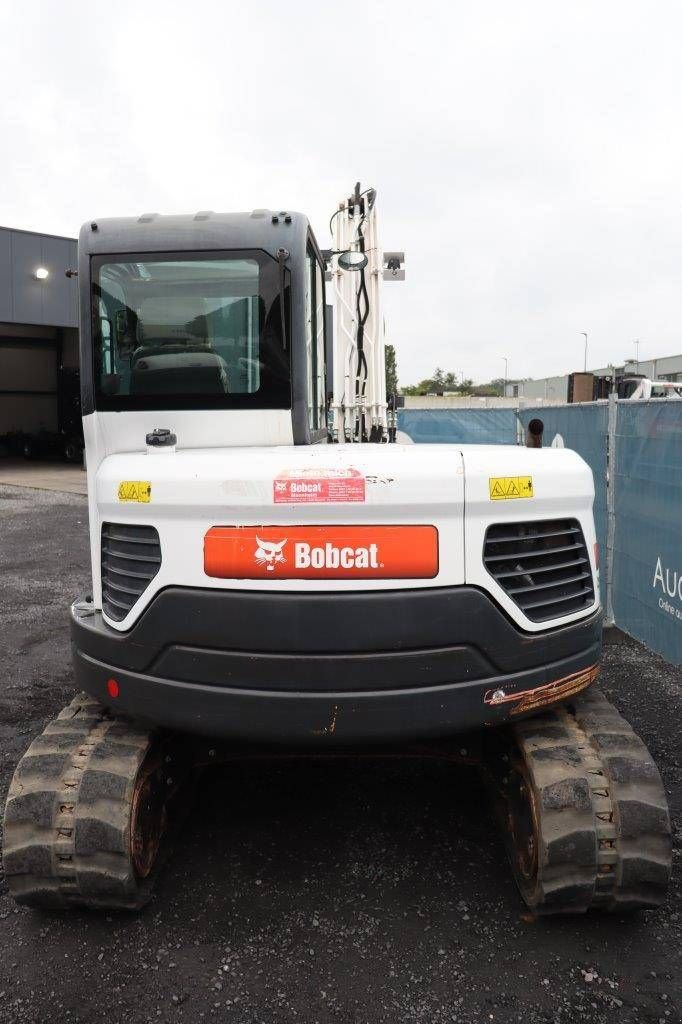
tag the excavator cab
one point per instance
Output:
(213, 312)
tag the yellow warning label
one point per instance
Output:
(135, 490)
(504, 487)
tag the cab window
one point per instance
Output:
(189, 331)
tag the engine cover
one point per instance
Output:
(333, 518)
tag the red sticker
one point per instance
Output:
(297, 487)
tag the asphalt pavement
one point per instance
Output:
(342, 891)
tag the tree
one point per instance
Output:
(391, 371)
(496, 386)
(424, 387)
(441, 381)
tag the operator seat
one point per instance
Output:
(178, 369)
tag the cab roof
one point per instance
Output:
(152, 232)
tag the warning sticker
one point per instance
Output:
(135, 490)
(504, 487)
(297, 487)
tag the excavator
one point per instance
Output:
(272, 569)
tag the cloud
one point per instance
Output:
(527, 156)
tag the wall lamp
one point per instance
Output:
(41, 274)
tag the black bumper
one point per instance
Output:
(291, 668)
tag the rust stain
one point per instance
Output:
(548, 693)
(329, 729)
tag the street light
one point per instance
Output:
(636, 344)
(584, 334)
(506, 374)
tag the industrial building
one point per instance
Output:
(555, 389)
(38, 339)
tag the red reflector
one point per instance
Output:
(112, 688)
(596, 555)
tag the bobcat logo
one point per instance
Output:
(268, 552)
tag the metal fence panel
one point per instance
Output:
(647, 568)
(582, 427)
(459, 426)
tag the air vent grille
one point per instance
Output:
(131, 558)
(544, 566)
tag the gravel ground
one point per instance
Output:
(333, 892)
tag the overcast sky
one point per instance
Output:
(528, 156)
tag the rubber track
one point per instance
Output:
(603, 820)
(67, 817)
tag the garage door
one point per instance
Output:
(28, 385)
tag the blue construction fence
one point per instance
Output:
(459, 426)
(584, 429)
(647, 549)
(635, 452)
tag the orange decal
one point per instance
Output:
(547, 693)
(321, 552)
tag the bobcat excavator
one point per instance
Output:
(270, 568)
